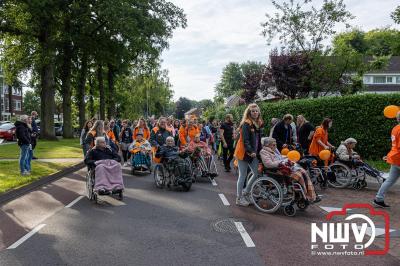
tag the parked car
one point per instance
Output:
(4, 122)
(58, 128)
(7, 131)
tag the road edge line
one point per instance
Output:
(27, 236)
(72, 203)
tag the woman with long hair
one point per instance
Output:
(247, 150)
(97, 130)
(142, 128)
(85, 130)
(320, 139)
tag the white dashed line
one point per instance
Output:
(74, 201)
(224, 200)
(214, 183)
(246, 237)
(27, 236)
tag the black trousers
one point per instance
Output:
(227, 155)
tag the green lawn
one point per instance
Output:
(10, 176)
(63, 148)
(380, 165)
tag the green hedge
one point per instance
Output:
(357, 116)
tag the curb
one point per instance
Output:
(15, 193)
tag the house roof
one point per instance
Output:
(191, 111)
(392, 67)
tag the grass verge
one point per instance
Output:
(380, 165)
(10, 177)
(63, 148)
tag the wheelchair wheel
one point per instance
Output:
(289, 210)
(186, 186)
(89, 185)
(302, 204)
(341, 175)
(266, 194)
(159, 176)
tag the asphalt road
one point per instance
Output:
(150, 227)
(156, 227)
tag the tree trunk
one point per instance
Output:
(10, 106)
(91, 98)
(111, 92)
(101, 92)
(66, 90)
(81, 90)
(47, 92)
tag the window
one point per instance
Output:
(398, 79)
(389, 79)
(367, 80)
(6, 107)
(378, 79)
(17, 105)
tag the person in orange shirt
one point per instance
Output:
(320, 139)
(392, 158)
(187, 134)
(141, 127)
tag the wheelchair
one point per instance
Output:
(92, 194)
(169, 173)
(358, 172)
(272, 191)
(332, 173)
(203, 167)
(141, 163)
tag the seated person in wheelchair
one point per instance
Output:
(346, 152)
(168, 151)
(106, 163)
(197, 149)
(141, 150)
(272, 159)
(348, 156)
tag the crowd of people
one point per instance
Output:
(228, 140)
(245, 141)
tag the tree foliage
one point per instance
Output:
(182, 106)
(301, 27)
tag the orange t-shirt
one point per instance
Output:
(393, 156)
(315, 147)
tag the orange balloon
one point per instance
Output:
(325, 155)
(294, 156)
(284, 151)
(391, 111)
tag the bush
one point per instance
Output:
(357, 116)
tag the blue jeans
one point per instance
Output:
(243, 165)
(24, 161)
(394, 174)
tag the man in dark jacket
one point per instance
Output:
(24, 142)
(283, 132)
(100, 152)
(35, 131)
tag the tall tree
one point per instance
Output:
(182, 106)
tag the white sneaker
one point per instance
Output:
(242, 202)
(125, 164)
(246, 196)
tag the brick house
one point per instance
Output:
(16, 99)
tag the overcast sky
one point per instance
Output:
(224, 31)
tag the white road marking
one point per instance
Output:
(214, 183)
(246, 237)
(224, 200)
(74, 201)
(27, 236)
(330, 209)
